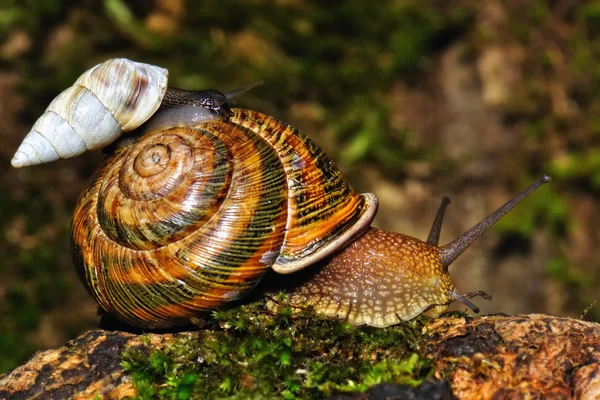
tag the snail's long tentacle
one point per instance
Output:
(452, 250)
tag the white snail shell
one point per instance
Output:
(113, 97)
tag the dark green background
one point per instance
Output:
(386, 87)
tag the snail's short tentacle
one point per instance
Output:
(434, 234)
(434, 310)
(466, 302)
(464, 298)
(480, 293)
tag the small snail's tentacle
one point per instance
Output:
(434, 234)
(452, 250)
(237, 92)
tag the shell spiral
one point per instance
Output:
(187, 219)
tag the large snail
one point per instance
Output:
(189, 212)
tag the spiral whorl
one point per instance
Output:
(165, 187)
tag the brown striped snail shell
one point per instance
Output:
(190, 214)
(187, 219)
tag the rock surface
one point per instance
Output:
(521, 356)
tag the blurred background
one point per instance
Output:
(413, 99)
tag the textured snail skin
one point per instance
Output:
(188, 219)
(380, 279)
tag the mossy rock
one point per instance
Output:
(247, 352)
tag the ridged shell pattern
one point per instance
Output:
(188, 219)
(113, 97)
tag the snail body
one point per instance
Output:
(189, 214)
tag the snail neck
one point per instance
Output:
(210, 99)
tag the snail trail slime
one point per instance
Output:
(198, 200)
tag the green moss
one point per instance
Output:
(247, 352)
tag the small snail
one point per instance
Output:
(189, 214)
(113, 97)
